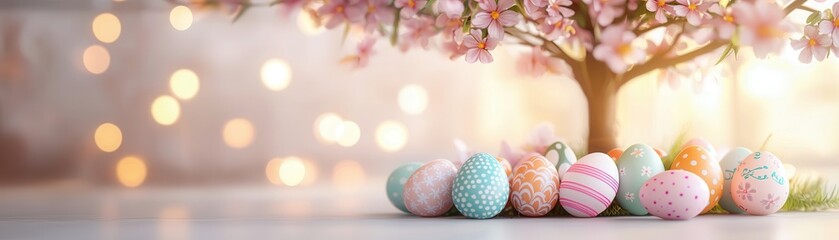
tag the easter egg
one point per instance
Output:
(704, 144)
(661, 153)
(534, 187)
(729, 164)
(508, 169)
(481, 188)
(615, 154)
(562, 156)
(696, 160)
(396, 183)
(639, 163)
(589, 186)
(674, 195)
(759, 186)
(428, 191)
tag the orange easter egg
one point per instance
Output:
(534, 187)
(615, 154)
(699, 161)
(508, 169)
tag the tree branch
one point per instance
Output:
(546, 44)
(793, 5)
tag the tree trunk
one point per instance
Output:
(602, 121)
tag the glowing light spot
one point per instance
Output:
(131, 171)
(96, 59)
(413, 99)
(165, 110)
(348, 134)
(106, 27)
(348, 175)
(108, 137)
(238, 133)
(292, 171)
(763, 78)
(181, 18)
(276, 74)
(391, 136)
(184, 84)
(326, 127)
(311, 173)
(307, 24)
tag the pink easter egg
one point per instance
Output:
(428, 192)
(760, 186)
(674, 195)
(589, 186)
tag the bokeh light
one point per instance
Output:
(413, 99)
(131, 171)
(180, 17)
(326, 127)
(307, 24)
(311, 172)
(96, 59)
(276, 74)
(292, 171)
(108, 137)
(238, 133)
(348, 175)
(165, 110)
(348, 134)
(391, 136)
(272, 171)
(764, 78)
(184, 84)
(106, 27)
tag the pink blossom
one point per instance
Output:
(409, 8)
(616, 48)
(341, 11)
(454, 49)
(559, 10)
(761, 24)
(660, 8)
(418, 31)
(605, 10)
(831, 26)
(478, 47)
(541, 138)
(553, 31)
(693, 10)
(511, 154)
(533, 63)
(724, 25)
(365, 50)
(494, 17)
(450, 8)
(535, 9)
(450, 27)
(812, 45)
(378, 11)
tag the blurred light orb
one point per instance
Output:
(106, 27)
(348, 134)
(391, 136)
(131, 171)
(184, 84)
(108, 137)
(238, 133)
(307, 24)
(763, 78)
(180, 17)
(348, 174)
(326, 127)
(165, 110)
(311, 173)
(276, 74)
(292, 171)
(413, 99)
(272, 171)
(96, 59)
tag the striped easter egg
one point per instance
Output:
(589, 186)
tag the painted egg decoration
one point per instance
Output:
(508, 169)
(534, 187)
(674, 195)
(563, 156)
(704, 144)
(759, 186)
(697, 160)
(637, 165)
(396, 183)
(729, 164)
(481, 188)
(589, 186)
(615, 154)
(428, 191)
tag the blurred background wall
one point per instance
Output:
(91, 99)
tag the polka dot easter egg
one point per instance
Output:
(674, 195)
(396, 183)
(729, 165)
(534, 187)
(562, 156)
(712, 152)
(639, 163)
(589, 186)
(481, 189)
(759, 186)
(696, 160)
(428, 191)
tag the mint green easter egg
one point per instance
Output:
(637, 164)
(481, 188)
(396, 182)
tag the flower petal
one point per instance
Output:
(806, 55)
(508, 18)
(472, 55)
(504, 4)
(485, 56)
(481, 20)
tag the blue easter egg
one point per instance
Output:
(481, 188)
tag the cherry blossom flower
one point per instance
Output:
(450, 8)
(660, 8)
(616, 49)
(723, 25)
(559, 10)
(535, 9)
(418, 31)
(495, 16)
(554, 31)
(605, 10)
(762, 25)
(409, 8)
(535, 63)
(450, 27)
(341, 11)
(831, 26)
(693, 10)
(454, 49)
(478, 47)
(362, 57)
(378, 11)
(812, 45)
